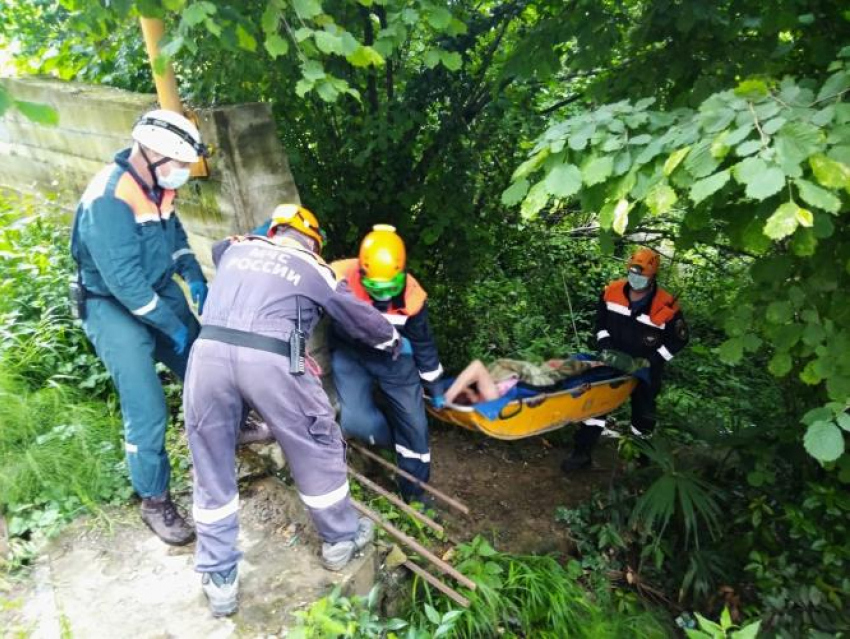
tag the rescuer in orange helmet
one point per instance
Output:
(636, 319)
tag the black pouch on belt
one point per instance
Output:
(77, 295)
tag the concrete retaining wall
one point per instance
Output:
(249, 170)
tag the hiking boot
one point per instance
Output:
(161, 516)
(578, 460)
(254, 431)
(337, 556)
(222, 590)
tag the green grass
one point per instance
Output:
(59, 455)
(533, 596)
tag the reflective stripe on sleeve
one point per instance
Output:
(176, 255)
(425, 458)
(212, 515)
(131, 448)
(147, 308)
(618, 308)
(662, 350)
(327, 500)
(603, 334)
(396, 320)
(430, 376)
(388, 345)
(645, 319)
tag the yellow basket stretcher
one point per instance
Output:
(543, 412)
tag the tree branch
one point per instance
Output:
(369, 39)
(381, 12)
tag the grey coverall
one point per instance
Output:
(255, 291)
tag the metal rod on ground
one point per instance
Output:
(425, 519)
(414, 545)
(440, 495)
(452, 594)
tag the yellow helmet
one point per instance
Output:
(382, 261)
(299, 218)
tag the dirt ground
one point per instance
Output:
(111, 581)
(512, 488)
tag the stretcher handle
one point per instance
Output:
(503, 416)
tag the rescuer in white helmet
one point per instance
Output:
(128, 243)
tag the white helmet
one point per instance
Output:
(170, 134)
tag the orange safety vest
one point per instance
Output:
(414, 294)
(663, 309)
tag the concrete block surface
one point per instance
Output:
(115, 579)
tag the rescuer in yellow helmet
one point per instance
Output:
(379, 277)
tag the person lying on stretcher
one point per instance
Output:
(479, 383)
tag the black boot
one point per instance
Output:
(585, 439)
(578, 460)
(161, 516)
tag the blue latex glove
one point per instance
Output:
(436, 390)
(406, 347)
(198, 291)
(180, 339)
(262, 229)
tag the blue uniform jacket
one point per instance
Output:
(128, 243)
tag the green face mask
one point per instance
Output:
(384, 290)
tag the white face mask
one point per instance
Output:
(638, 282)
(175, 179)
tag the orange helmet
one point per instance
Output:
(647, 260)
(301, 219)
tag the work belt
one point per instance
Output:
(244, 338)
(294, 348)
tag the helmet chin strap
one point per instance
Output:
(152, 166)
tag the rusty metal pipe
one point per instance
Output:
(414, 545)
(439, 495)
(425, 519)
(451, 593)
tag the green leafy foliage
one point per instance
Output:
(711, 630)
(37, 112)
(416, 114)
(789, 148)
(335, 615)
(38, 338)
